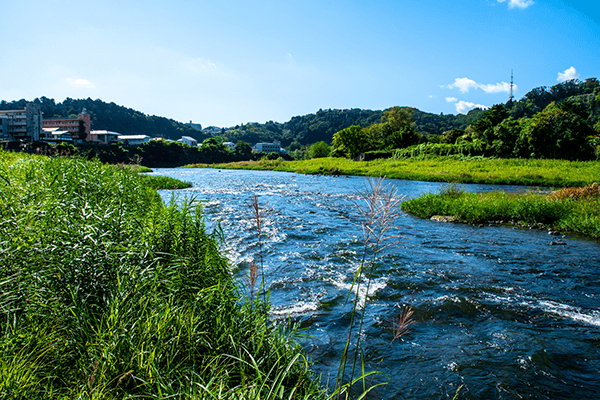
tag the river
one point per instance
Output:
(498, 310)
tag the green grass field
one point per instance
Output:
(549, 173)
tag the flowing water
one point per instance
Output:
(498, 310)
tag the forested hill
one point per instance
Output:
(585, 94)
(305, 129)
(112, 117)
(321, 126)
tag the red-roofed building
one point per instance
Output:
(71, 124)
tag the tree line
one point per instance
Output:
(158, 153)
(561, 122)
(112, 117)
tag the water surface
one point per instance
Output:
(498, 310)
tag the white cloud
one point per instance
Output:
(466, 84)
(463, 84)
(463, 107)
(570, 73)
(80, 82)
(498, 88)
(451, 99)
(522, 4)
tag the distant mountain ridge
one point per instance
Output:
(311, 128)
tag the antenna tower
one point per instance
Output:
(511, 97)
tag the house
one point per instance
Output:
(56, 135)
(229, 145)
(274, 147)
(134, 139)
(212, 130)
(22, 124)
(104, 136)
(189, 140)
(198, 127)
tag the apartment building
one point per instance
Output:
(23, 124)
(71, 125)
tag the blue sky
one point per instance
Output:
(236, 61)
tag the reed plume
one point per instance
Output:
(257, 217)
(378, 206)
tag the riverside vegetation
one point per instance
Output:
(108, 293)
(575, 210)
(458, 169)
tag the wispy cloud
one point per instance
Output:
(199, 65)
(80, 82)
(570, 73)
(522, 4)
(451, 99)
(464, 107)
(466, 84)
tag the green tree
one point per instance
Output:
(452, 135)
(351, 141)
(484, 128)
(399, 118)
(243, 151)
(319, 150)
(375, 135)
(557, 133)
(506, 136)
(398, 128)
(295, 145)
(81, 133)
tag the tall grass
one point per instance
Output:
(575, 210)
(107, 293)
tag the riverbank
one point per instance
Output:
(529, 172)
(568, 210)
(107, 292)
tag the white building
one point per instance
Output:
(229, 145)
(188, 140)
(104, 136)
(134, 139)
(274, 147)
(57, 134)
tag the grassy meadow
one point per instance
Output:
(534, 172)
(108, 293)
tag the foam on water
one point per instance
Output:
(300, 308)
(576, 314)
